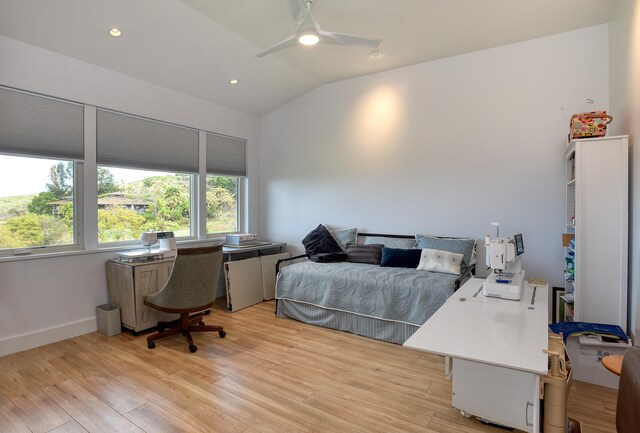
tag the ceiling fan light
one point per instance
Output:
(308, 38)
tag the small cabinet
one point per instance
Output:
(128, 283)
(501, 395)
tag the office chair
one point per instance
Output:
(628, 405)
(191, 288)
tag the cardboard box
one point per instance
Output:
(567, 238)
(586, 353)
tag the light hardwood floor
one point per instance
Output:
(268, 375)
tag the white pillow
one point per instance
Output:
(444, 262)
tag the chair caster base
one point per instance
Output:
(151, 344)
(193, 348)
(222, 334)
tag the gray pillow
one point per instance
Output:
(462, 246)
(345, 236)
(369, 254)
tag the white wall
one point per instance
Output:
(624, 46)
(47, 299)
(443, 147)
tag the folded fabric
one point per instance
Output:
(581, 328)
(329, 257)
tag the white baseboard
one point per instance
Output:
(22, 342)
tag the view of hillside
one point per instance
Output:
(124, 210)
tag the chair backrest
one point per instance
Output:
(193, 281)
(628, 406)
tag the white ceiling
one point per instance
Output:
(197, 46)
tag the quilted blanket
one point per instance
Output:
(396, 294)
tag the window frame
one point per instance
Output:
(78, 224)
(241, 186)
(193, 216)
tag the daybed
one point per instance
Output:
(384, 303)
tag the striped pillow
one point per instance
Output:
(369, 254)
(389, 242)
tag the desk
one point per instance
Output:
(128, 282)
(497, 350)
(259, 249)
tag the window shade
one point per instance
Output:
(39, 126)
(226, 155)
(135, 142)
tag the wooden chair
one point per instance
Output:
(191, 288)
(628, 405)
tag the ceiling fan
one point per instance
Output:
(308, 32)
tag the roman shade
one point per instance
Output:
(226, 155)
(136, 142)
(34, 125)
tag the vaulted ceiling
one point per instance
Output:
(197, 46)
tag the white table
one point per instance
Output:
(497, 350)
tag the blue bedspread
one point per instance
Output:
(396, 294)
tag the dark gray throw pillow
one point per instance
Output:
(320, 241)
(369, 254)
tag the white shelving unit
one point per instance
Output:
(597, 185)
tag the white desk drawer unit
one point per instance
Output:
(497, 350)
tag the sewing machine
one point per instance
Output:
(168, 246)
(507, 277)
(167, 242)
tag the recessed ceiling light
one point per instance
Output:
(233, 82)
(115, 32)
(309, 38)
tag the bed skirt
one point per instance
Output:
(371, 327)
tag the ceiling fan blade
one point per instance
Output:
(288, 42)
(298, 9)
(345, 39)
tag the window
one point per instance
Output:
(146, 177)
(222, 204)
(41, 153)
(36, 202)
(132, 201)
(226, 169)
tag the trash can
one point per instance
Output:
(108, 317)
